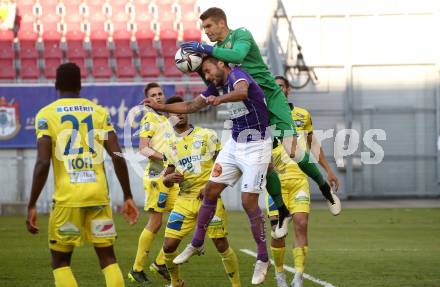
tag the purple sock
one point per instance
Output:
(206, 213)
(259, 232)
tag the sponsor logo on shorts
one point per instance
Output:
(217, 170)
(161, 202)
(175, 221)
(302, 197)
(103, 228)
(68, 228)
(215, 221)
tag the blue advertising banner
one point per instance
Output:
(19, 106)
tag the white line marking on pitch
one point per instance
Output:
(292, 270)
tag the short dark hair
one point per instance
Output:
(215, 13)
(212, 60)
(149, 86)
(286, 82)
(68, 78)
(173, 100)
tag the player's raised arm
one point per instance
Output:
(41, 171)
(239, 93)
(179, 108)
(114, 150)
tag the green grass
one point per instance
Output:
(383, 247)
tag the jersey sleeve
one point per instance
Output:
(213, 142)
(107, 125)
(211, 91)
(148, 127)
(241, 47)
(308, 126)
(42, 125)
(238, 75)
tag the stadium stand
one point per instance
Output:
(110, 39)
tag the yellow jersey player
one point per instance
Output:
(296, 194)
(155, 131)
(73, 133)
(190, 159)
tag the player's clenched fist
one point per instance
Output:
(130, 211)
(213, 100)
(31, 220)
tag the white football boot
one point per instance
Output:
(260, 272)
(297, 280)
(188, 252)
(281, 279)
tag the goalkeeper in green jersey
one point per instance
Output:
(239, 47)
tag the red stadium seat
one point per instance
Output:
(149, 68)
(191, 27)
(7, 72)
(168, 39)
(188, 6)
(167, 21)
(73, 21)
(75, 44)
(51, 41)
(122, 44)
(145, 44)
(121, 22)
(98, 41)
(125, 68)
(50, 67)
(27, 41)
(50, 22)
(81, 64)
(29, 69)
(169, 68)
(192, 35)
(6, 44)
(101, 68)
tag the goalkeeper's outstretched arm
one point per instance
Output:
(179, 108)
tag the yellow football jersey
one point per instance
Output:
(284, 165)
(193, 156)
(157, 127)
(77, 128)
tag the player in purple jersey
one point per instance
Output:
(247, 154)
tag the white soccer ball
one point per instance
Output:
(187, 62)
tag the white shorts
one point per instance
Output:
(249, 159)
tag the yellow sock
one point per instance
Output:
(144, 244)
(113, 276)
(173, 269)
(64, 277)
(160, 259)
(299, 257)
(278, 258)
(230, 262)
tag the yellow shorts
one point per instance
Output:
(71, 226)
(158, 197)
(296, 196)
(183, 219)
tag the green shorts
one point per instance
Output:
(279, 113)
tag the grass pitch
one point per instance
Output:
(361, 247)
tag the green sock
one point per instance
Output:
(311, 170)
(273, 186)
